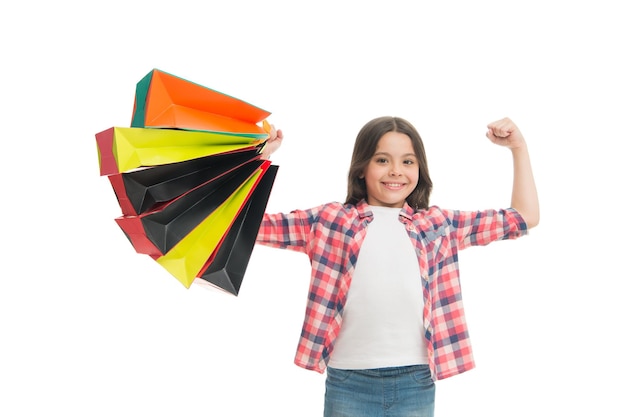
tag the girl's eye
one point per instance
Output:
(409, 162)
(381, 160)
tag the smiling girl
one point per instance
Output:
(384, 316)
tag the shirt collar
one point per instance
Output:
(364, 210)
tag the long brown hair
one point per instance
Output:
(364, 149)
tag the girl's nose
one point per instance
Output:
(394, 171)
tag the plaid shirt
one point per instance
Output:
(332, 234)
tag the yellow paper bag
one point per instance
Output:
(121, 149)
(185, 260)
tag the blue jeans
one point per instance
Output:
(407, 391)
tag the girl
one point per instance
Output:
(384, 316)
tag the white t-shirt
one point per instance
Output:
(383, 316)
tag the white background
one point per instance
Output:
(90, 328)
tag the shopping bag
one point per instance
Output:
(226, 268)
(189, 178)
(156, 232)
(122, 149)
(185, 260)
(142, 190)
(164, 100)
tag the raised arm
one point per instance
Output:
(524, 196)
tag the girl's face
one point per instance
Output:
(393, 172)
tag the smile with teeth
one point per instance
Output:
(393, 185)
